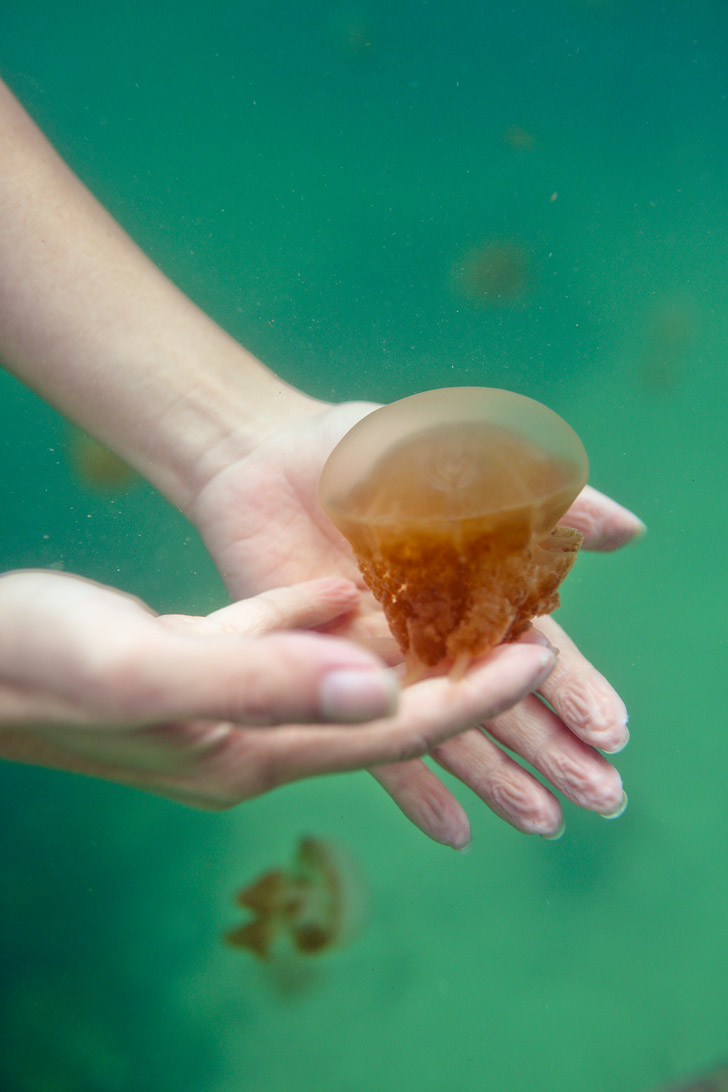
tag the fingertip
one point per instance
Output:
(534, 636)
(619, 810)
(502, 679)
(540, 654)
(622, 528)
(333, 587)
(614, 750)
(329, 597)
(544, 661)
(605, 524)
(465, 846)
(555, 835)
(526, 665)
(452, 829)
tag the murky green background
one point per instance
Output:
(317, 176)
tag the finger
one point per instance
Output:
(426, 801)
(428, 713)
(580, 773)
(300, 606)
(510, 791)
(587, 704)
(604, 524)
(235, 764)
(276, 679)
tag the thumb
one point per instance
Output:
(276, 679)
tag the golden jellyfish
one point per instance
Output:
(451, 500)
(313, 906)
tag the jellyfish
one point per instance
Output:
(492, 273)
(96, 466)
(313, 906)
(520, 139)
(450, 500)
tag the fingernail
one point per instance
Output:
(548, 661)
(465, 847)
(535, 637)
(358, 695)
(558, 833)
(618, 811)
(619, 747)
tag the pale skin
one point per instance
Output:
(212, 711)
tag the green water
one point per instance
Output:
(312, 175)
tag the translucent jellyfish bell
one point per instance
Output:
(450, 500)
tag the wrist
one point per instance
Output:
(223, 412)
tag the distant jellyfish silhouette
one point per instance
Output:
(451, 499)
(669, 340)
(494, 272)
(520, 139)
(96, 466)
(315, 905)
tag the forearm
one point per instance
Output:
(91, 324)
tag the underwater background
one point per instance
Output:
(377, 198)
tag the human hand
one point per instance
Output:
(262, 522)
(123, 353)
(211, 711)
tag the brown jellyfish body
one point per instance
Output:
(450, 500)
(314, 905)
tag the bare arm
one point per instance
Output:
(91, 324)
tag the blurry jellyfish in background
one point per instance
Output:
(96, 466)
(352, 29)
(520, 139)
(316, 904)
(492, 273)
(671, 333)
(450, 500)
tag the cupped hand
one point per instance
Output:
(262, 522)
(211, 711)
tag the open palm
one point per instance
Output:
(262, 522)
